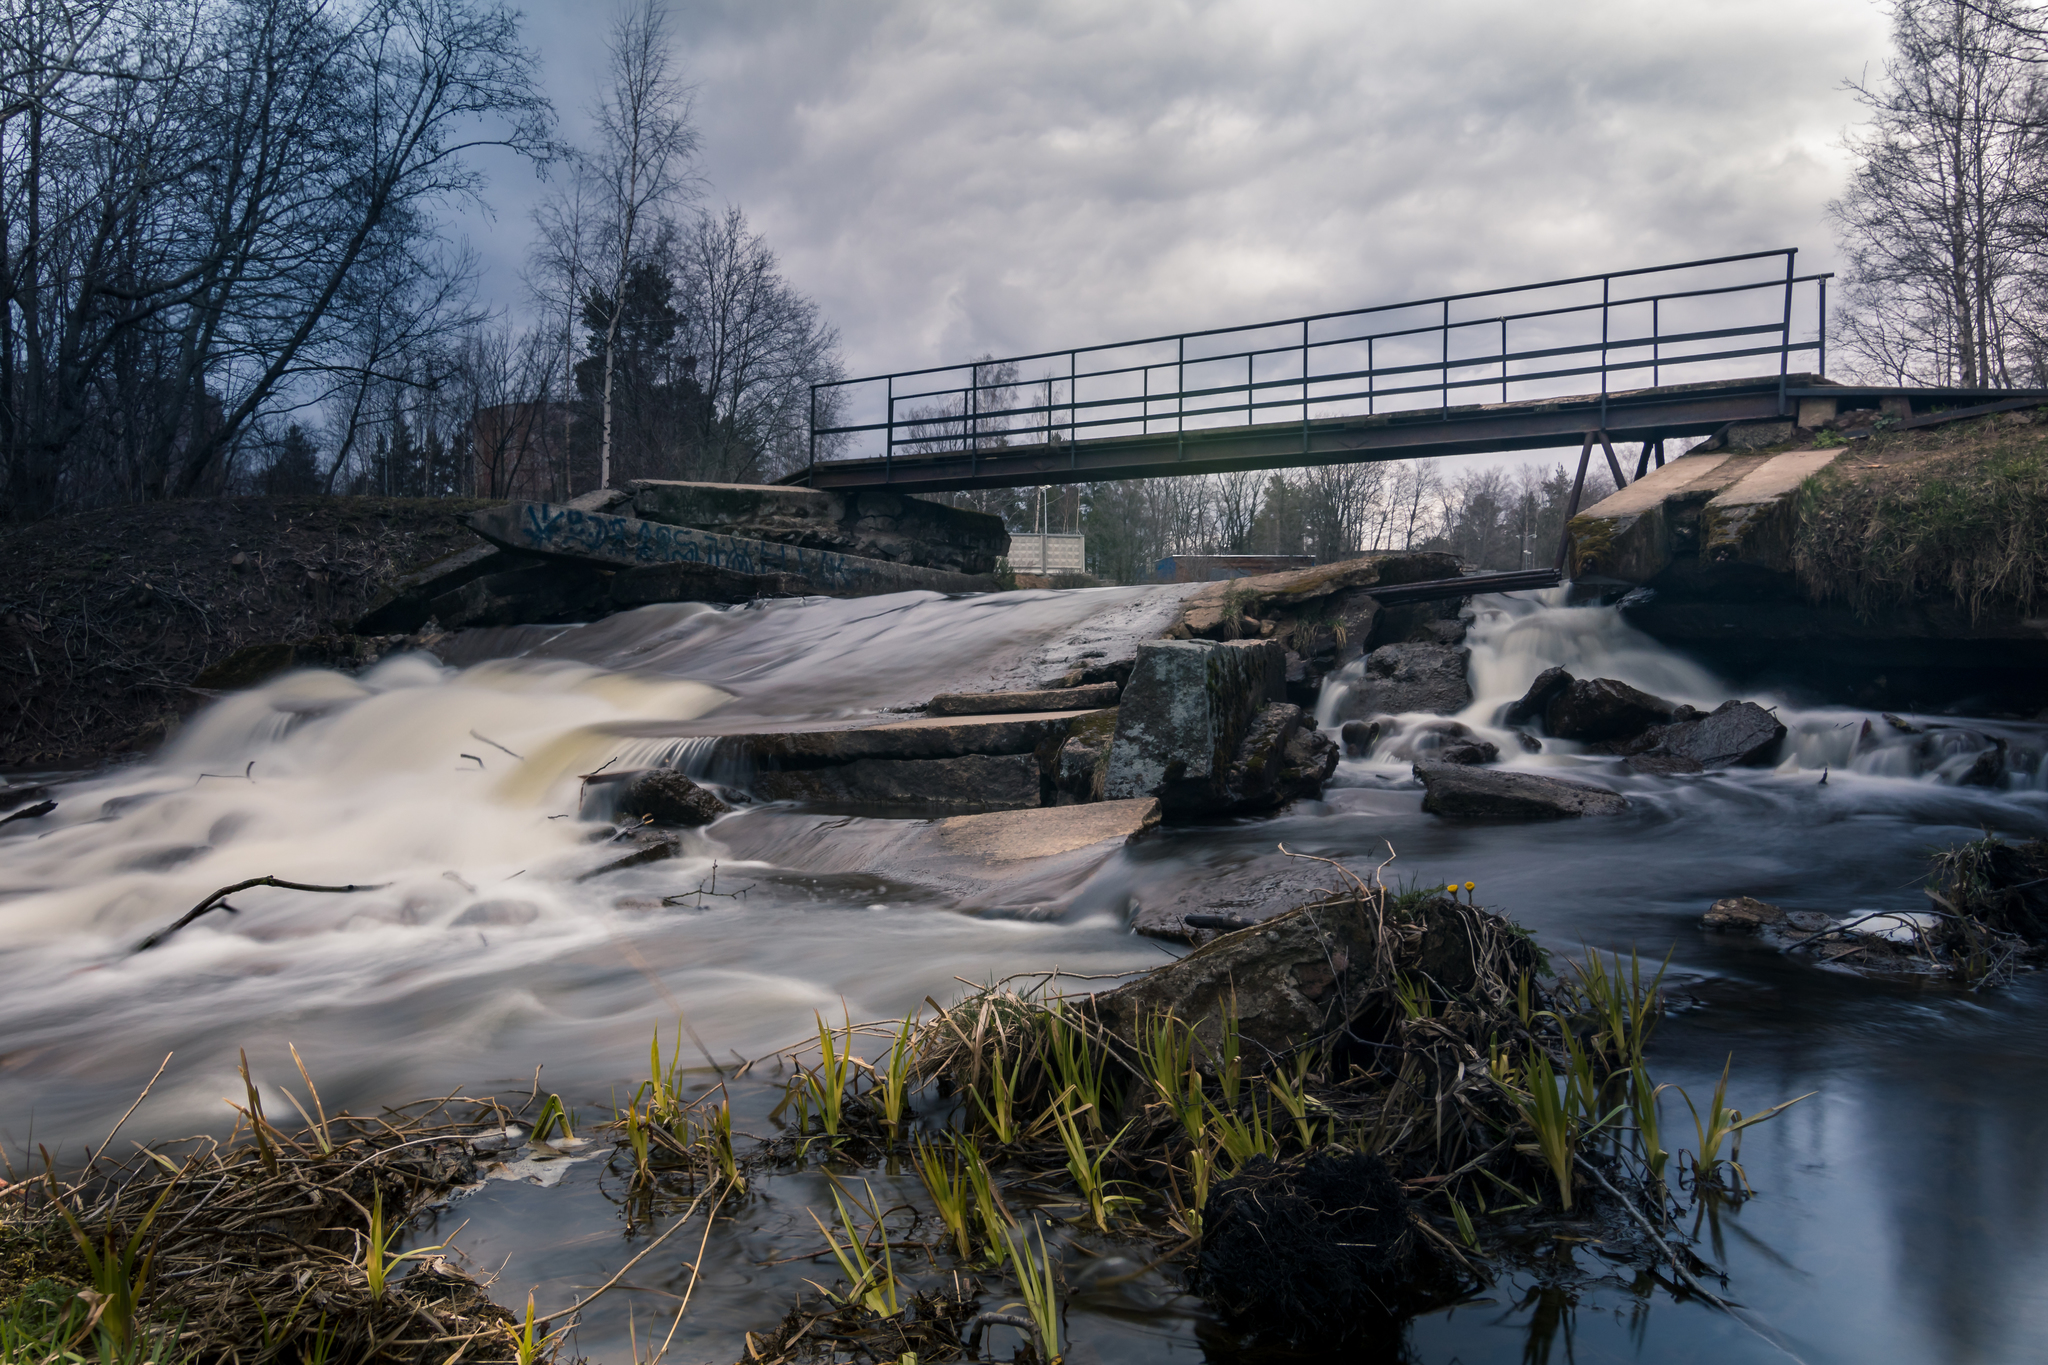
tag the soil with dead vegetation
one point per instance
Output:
(107, 619)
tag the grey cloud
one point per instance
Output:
(949, 179)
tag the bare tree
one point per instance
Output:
(641, 168)
(195, 192)
(1943, 219)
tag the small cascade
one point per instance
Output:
(1514, 638)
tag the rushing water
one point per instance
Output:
(1898, 1216)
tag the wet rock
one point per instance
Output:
(979, 782)
(663, 796)
(1987, 768)
(1530, 744)
(1742, 915)
(1282, 757)
(1246, 894)
(1592, 710)
(1297, 976)
(1303, 681)
(1182, 717)
(1461, 791)
(1411, 677)
(1548, 685)
(1359, 736)
(1082, 698)
(1444, 741)
(530, 591)
(407, 604)
(1734, 734)
(1083, 761)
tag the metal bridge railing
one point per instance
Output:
(1439, 353)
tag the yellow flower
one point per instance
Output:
(1470, 885)
(1452, 888)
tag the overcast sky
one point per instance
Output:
(954, 177)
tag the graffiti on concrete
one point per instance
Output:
(564, 530)
(629, 542)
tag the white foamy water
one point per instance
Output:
(479, 955)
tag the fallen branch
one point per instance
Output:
(35, 812)
(214, 902)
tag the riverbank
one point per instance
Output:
(108, 620)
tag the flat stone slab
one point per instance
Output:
(561, 532)
(1460, 791)
(1633, 535)
(1018, 861)
(1009, 703)
(927, 737)
(972, 782)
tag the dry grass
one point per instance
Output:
(266, 1246)
(1957, 513)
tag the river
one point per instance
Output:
(1898, 1214)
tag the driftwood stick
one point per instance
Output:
(1651, 1232)
(214, 902)
(35, 812)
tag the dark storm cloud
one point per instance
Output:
(948, 179)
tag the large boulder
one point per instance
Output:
(1734, 734)
(1465, 791)
(1597, 709)
(1281, 757)
(1297, 978)
(663, 796)
(1183, 715)
(1411, 677)
(1549, 683)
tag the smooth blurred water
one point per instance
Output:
(1898, 1214)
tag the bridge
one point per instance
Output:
(1644, 355)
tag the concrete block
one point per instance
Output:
(1814, 412)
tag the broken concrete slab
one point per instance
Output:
(1750, 524)
(1086, 698)
(890, 527)
(615, 542)
(971, 782)
(1464, 791)
(1180, 720)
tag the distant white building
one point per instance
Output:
(1046, 554)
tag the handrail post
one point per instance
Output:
(971, 425)
(1606, 311)
(1304, 386)
(1823, 282)
(1443, 398)
(1503, 357)
(811, 479)
(1656, 346)
(1073, 411)
(1785, 333)
(889, 450)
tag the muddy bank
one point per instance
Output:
(108, 620)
